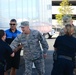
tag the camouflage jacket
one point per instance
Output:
(31, 44)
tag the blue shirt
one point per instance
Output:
(66, 45)
(10, 36)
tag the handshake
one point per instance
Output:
(16, 49)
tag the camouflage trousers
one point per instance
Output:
(39, 64)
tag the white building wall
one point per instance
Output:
(24, 10)
(55, 9)
(61, 0)
(47, 13)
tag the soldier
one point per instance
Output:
(67, 19)
(30, 40)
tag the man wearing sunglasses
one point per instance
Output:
(11, 33)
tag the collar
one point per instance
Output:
(11, 30)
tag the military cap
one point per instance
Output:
(66, 19)
(24, 23)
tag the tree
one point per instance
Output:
(64, 9)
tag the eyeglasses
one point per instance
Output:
(12, 24)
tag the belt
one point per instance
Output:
(65, 57)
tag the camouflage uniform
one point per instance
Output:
(32, 50)
(67, 20)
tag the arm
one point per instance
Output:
(56, 43)
(44, 44)
(15, 42)
(55, 54)
(55, 49)
(9, 50)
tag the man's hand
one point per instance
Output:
(44, 55)
(18, 48)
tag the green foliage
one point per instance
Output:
(63, 10)
(59, 18)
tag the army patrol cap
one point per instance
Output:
(67, 19)
(24, 23)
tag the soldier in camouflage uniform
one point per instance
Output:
(30, 40)
(67, 20)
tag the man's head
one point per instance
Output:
(25, 27)
(13, 24)
(67, 19)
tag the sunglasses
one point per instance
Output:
(12, 24)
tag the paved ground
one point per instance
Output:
(48, 65)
